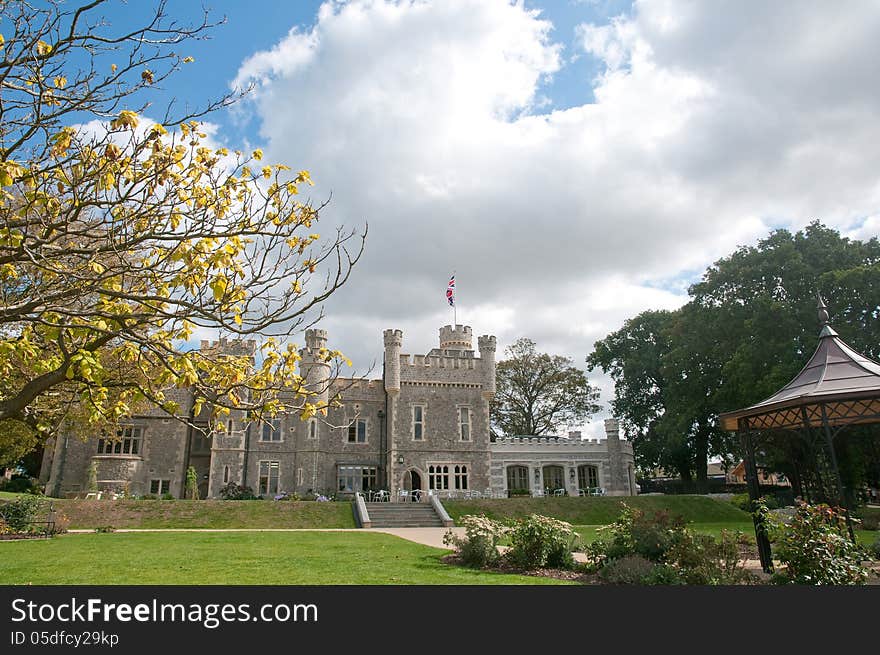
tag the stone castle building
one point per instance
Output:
(424, 425)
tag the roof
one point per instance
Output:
(837, 380)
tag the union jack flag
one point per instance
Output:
(450, 291)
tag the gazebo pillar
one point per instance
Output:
(761, 539)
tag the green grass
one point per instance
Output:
(599, 510)
(205, 514)
(8, 495)
(296, 558)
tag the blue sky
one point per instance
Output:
(574, 163)
(254, 26)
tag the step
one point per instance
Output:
(403, 515)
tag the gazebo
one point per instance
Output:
(837, 388)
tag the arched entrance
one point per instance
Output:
(412, 482)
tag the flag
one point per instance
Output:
(450, 291)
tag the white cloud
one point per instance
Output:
(425, 119)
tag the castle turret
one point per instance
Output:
(393, 343)
(456, 337)
(314, 366)
(486, 344)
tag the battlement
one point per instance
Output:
(458, 337)
(230, 347)
(557, 444)
(441, 361)
(393, 337)
(316, 339)
(486, 342)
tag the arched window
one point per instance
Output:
(554, 477)
(588, 476)
(518, 478)
(461, 476)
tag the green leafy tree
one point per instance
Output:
(120, 236)
(538, 394)
(749, 328)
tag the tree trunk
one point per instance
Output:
(701, 462)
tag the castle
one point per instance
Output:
(424, 425)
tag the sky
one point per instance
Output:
(573, 162)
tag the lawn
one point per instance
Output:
(205, 514)
(289, 558)
(600, 510)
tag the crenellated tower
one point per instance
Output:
(314, 365)
(393, 344)
(487, 344)
(456, 337)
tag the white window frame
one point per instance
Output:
(129, 441)
(439, 476)
(418, 423)
(268, 476)
(355, 423)
(273, 427)
(163, 486)
(460, 474)
(354, 476)
(461, 424)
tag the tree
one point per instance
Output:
(192, 484)
(749, 328)
(538, 394)
(633, 356)
(121, 236)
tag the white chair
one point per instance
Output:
(559, 492)
(402, 495)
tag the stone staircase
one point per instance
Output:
(403, 515)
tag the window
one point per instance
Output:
(517, 478)
(299, 476)
(461, 476)
(313, 429)
(159, 487)
(588, 477)
(464, 423)
(356, 478)
(268, 477)
(225, 474)
(357, 431)
(554, 478)
(271, 430)
(418, 424)
(438, 476)
(127, 442)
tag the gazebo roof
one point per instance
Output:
(837, 382)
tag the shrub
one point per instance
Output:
(105, 528)
(637, 533)
(701, 560)
(871, 522)
(540, 541)
(679, 556)
(629, 569)
(62, 523)
(192, 484)
(19, 513)
(479, 547)
(167, 496)
(815, 547)
(149, 497)
(19, 484)
(235, 491)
